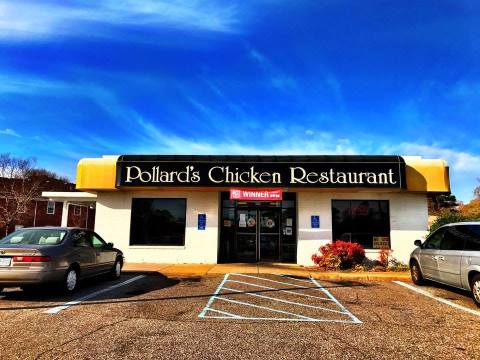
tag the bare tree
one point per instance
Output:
(20, 184)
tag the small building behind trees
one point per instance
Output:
(21, 201)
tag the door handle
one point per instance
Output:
(442, 258)
(434, 257)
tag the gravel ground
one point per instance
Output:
(158, 318)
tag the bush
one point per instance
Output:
(395, 265)
(448, 217)
(339, 255)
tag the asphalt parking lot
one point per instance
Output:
(238, 316)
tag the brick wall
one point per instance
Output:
(36, 215)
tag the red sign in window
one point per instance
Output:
(256, 194)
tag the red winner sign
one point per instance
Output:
(255, 194)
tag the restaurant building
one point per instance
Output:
(216, 209)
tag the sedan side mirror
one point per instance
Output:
(109, 246)
(418, 243)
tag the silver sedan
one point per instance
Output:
(34, 256)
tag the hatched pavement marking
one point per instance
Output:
(285, 291)
(297, 317)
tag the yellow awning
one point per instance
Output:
(422, 175)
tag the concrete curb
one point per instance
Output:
(211, 270)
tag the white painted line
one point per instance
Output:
(285, 301)
(280, 282)
(229, 315)
(292, 278)
(263, 307)
(354, 318)
(439, 299)
(57, 309)
(210, 301)
(285, 291)
(279, 319)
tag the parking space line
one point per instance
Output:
(280, 282)
(439, 299)
(284, 301)
(263, 307)
(285, 291)
(279, 319)
(296, 279)
(57, 309)
(212, 298)
(225, 313)
(354, 318)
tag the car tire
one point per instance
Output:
(70, 280)
(29, 289)
(475, 287)
(116, 271)
(416, 273)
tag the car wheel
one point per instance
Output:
(116, 270)
(475, 286)
(29, 289)
(416, 273)
(70, 282)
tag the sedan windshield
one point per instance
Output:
(35, 237)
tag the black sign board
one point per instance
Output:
(262, 171)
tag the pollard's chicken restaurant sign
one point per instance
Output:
(261, 171)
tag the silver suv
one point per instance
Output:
(451, 256)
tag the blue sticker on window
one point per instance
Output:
(202, 221)
(315, 221)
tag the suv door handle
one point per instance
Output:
(441, 258)
(434, 257)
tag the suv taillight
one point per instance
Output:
(31, 258)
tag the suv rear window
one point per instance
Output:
(471, 234)
(452, 239)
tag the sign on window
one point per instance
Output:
(381, 242)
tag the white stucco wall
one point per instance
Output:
(112, 222)
(408, 221)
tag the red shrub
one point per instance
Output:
(339, 255)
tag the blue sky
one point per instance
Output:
(88, 78)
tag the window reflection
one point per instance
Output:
(158, 222)
(366, 222)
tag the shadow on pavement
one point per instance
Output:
(461, 292)
(51, 293)
(154, 281)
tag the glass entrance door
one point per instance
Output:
(246, 242)
(269, 235)
(258, 235)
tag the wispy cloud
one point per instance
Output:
(32, 20)
(277, 78)
(10, 132)
(27, 84)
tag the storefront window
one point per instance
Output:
(366, 222)
(158, 222)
